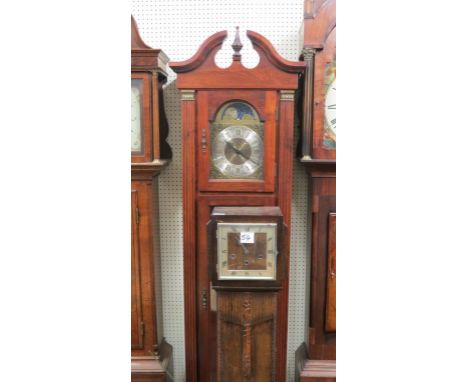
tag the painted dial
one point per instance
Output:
(237, 151)
(136, 117)
(330, 106)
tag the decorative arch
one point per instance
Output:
(280, 73)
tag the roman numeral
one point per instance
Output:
(331, 107)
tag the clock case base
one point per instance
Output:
(155, 368)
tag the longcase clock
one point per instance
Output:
(151, 355)
(237, 151)
(318, 155)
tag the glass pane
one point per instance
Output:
(137, 115)
(238, 111)
(236, 143)
(329, 134)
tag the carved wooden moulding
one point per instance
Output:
(246, 336)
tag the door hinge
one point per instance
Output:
(204, 294)
(142, 328)
(137, 215)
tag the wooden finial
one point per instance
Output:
(237, 46)
(137, 41)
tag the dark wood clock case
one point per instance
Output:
(316, 357)
(151, 354)
(269, 89)
(246, 316)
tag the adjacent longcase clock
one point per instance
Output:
(238, 151)
(151, 355)
(318, 155)
(319, 101)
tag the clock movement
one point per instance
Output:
(237, 152)
(150, 153)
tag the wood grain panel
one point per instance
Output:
(246, 337)
(189, 235)
(330, 308)
(319, 20)
(323, 202)
(137, 313)
(285, 168)
(144, 242)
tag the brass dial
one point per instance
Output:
(237, 152)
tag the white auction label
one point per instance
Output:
(247, 237)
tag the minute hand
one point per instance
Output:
(239, 152)
(244, 248)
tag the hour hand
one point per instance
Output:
(244, 248)
(237, 151)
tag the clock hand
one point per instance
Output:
(232, 147)
(244, 248)
(242, 145)
(239, 152)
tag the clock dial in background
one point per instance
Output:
(237, 143)
(329, 139)
(136, 136)
(330, 106)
